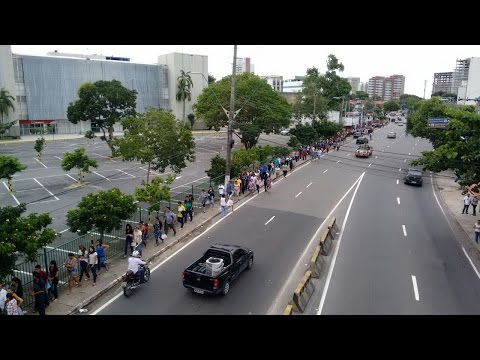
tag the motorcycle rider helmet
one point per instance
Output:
(136, 253)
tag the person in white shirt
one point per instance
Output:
(221, 189)
(3, 296)
(134, 263)
(223, 205)
(466, 203)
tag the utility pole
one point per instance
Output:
(231, 116)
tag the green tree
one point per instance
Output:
(293, 142)
(104, 103)
(39, 145)
(456, 147)
(77, 159)
(360, 95)
(211, 79)
(245, 157)
(326, 129)
(279, 151)
(391, 105)
(183, 90)
(305, 134)
(258, 107)
(22, 236)
(103, 211)
(156, 138)
(8, 167)
(155, 192)
(90, 135)
(410, 102)
(217, 169)
(6, 102)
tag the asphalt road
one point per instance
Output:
(45, 187)
(397, 253)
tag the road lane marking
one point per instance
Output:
(45, 166)
(309, 185)
(369, 164)
(101, 176)
(103, 156)
(71, 177)
(398, 200)
(273, 217)
(61, 232)
(405, 160)
(126, 173)
(404, 230)
(342, 231)
(409, 154)
(415, 287)
(325, 171)
(348, 154)
(397, 181)
(376, 157)
(188, 183)
(204, 232)
(400, 169)
(66, 251)
(11, 193)
(298, 194)
(471, 262)
(178, 177)
(338, 161)
(39, 183)
(59, 158)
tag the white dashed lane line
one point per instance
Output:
(273, 217)
(398, 200)
(338, 161)
(397, 181)
(369, 164)
(404, 230)
(298, 194)
(325, 171)
(309, 185)
(400, 169)
(415, 288)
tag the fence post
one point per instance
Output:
(140, 210)
(45, 258)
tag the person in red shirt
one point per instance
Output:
(44, 276)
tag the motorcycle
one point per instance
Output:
(131, 281)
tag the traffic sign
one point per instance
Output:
(438, 123)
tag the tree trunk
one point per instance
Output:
(110, 140)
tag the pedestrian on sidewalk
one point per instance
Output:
(188, 203)
(83, 258)
(128, 240)
(230, 204)
(476, 226)
(285, 169)
(169, 221)
(466, 203)
(157, 230)
(474, 203)
(211, 193)
(223, 204)
(203, 199)
(44, 276)
(92, 263)
(39, 293)
(72, 269)
(53, 277)
(181, 214)
(137, 240)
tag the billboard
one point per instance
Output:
(438, 123)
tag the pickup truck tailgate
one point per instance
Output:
(198, 281)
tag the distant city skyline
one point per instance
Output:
(416, 62)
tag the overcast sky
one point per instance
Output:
(416, 62)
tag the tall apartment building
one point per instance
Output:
(244, 65)
(354, 83)
(443, 82)
(387, 88)
(363, 87)
(275, 81)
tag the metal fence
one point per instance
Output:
(115, 240)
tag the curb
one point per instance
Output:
(112, 284)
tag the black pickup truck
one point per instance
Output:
(217, 268)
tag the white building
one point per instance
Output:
(198, 67)
(275, 81)
(354, 83)
(293, 85)
(469, 89)
(244, 65)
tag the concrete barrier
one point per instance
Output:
(316, 263)
(332, 226)
(325, 242)
(288, 310)
(303, 292)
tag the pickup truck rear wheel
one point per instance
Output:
(226, 287)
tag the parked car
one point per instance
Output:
(284, 132)
(414, 176)
(219, 266)
(362, 140)
(391, 135)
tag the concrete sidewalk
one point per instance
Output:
(84, 295)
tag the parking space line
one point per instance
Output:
(153, 171)
(103, 156)
(126, 173)
(39, 183)
(273, 217)
(61, 232)
(19, 191)
(298, 194)
(188, 183)
(58, 157)
(41, 163)
(14, 198)
(415, 287)
(309, 185)
(41, 202)
(101, 175)
(325, 171)
(369, 164)
(71, 177)
(404, 230)
(338, 161)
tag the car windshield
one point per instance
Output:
(415, 172)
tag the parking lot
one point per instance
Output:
(45, 187)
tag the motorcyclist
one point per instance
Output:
(134, 263)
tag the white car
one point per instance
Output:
(284, 132)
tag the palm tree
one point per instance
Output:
(5, 102)
(184, 85)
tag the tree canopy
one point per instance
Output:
(103, 210)
(103, 103)
(9, 166)
(6, 102)
(79, 160)
(156, 138)
(22, 236)
(391, 105)
(258, 107)
(155, 192)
